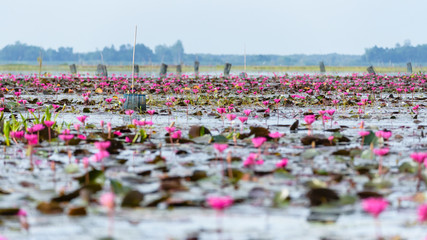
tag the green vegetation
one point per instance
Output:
(20, 53)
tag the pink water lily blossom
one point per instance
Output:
(422, 213)
(282, 163)
(107, 200)
(419, 157)
(230, 117)
(258, 141)
(374, 206)
(220, 147)
(275, 135)
(102, 145)
(220, 203)
(49, 123)
(243, 119)
(309, 119)
(363, 133)
(82, 119)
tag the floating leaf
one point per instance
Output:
(77, 211)
(132, 199)
(309, 153)
(197, 131)
(319, 196)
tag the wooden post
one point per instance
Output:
(371, 70)
(409, 67)
(101, 70)
(227, 69)
(73, 69)
(178, 69)
(163, 70)
(322, 67)
(196, 67)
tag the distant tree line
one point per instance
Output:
(398, 55)
(174, 54)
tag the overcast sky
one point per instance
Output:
(216, 26)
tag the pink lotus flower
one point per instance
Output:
(422, 213)
(129, 112)
(38, 127)
(97, 157)
(247, 112)
(275, 135)
(419, 157)
(128, 140)
(55, 106)
(282, 163)
(82, 119)
(169, 104)
(107, 200)
(258, 141)
(265, 103)
(330, 111)
(220, 203)
(386, 134)
(221, 110)
(231, 117)
(102, 145)
(220, 147)
(32, 139)
(381, 151)
(309, 119)
(49, 123)
(108, 100)
(364, 133)
(252, 159)
(151, 112)
(177, 134)
(66, 137)
(322, 112)
(243, 119)
(170, 129)
(82, 137)
(31, 110)
(122, 100)
(17, 134)
(76, 126)
(185, 101)
(277, 100)
(416, 107)
(117, 133)
(374, 206)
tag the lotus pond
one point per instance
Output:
(213, 157)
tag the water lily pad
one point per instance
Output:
(49, 208)
(8, 211)
(77, 211)
(132, 199)
(310, 153)
(319, 196)
(197, 131)
(408, 167)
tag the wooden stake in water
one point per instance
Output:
(133, 58)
